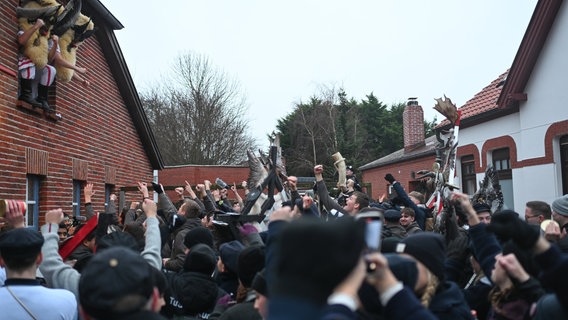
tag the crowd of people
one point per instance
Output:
(308, 259)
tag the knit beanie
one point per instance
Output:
(524, 257)
(198, 235)
(428, 248)
(250, 261)
(229, 253)
(314, 257)
(403, 268)
(201, 258)
(560, 205)
(259, 283)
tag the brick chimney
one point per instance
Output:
(413, 125)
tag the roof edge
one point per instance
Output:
(533, 41)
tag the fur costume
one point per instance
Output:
(67, 23)
(69, 41)
(36, 48)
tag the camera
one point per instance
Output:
(222, 183)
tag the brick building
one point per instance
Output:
(418, 154)
(103, 136)
(176, 176)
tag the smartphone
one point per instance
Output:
(373, 229)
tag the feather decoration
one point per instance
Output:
(258, 172)
(489, 191)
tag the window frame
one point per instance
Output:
(33, 183)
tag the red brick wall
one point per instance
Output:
(96, 128)
(176, 176)
(401, 171)
(413, 127)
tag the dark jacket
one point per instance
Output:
(449, 303)
(419, 212)
(412, 228)
(80, 252)
(190, 294)
(554, 265)
(396, 231)
(325, 200)
(178, 252)
(243, 310)
(477, 297)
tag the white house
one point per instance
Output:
(520, 121)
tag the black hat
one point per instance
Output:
(388, 244)
(20, 243)
(201, 258)
(117, 238)
(259, 283)
(116, 282)
(314, 257)
(428, 248)
(251, 261)
(523, 256)
(392, 215)
(481, 207)
(229, 252)
(403, 268)
(198, 235)
(349, 168)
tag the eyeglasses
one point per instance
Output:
(535, 216)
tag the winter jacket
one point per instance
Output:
(190, 294)
(412, 228)
(449, 303)
(178, 252)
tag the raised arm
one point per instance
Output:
(89, 192)
(419, 212)
(323, 194)
(153, 244)
(25, 36)
(56, 273)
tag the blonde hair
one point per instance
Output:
(497, 296)
(430, 290)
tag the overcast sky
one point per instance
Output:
(282, 52)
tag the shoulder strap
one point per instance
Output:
(21, 303)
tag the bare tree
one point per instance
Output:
(199, 115)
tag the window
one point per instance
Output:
(469, 185)
(108, 191)
(502, 163)
(564, 162)
(77, 186)
(32, 200)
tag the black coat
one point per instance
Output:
(449, 303)
(190, 294)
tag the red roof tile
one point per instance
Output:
(483, 101)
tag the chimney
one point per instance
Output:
(413, 125)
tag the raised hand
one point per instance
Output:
(54, 216)
(143, 188)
